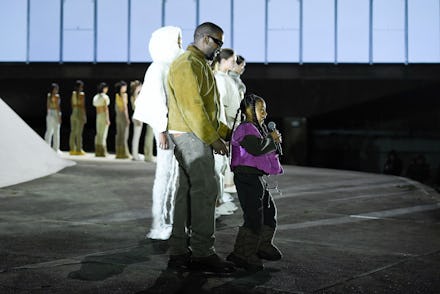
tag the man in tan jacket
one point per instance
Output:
(193, 103)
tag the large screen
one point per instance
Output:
(263, 31)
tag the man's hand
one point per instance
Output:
(219, 147)
(163, 141)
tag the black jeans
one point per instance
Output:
(256, 201)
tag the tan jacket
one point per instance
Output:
(193, 98)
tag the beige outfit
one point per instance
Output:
(101, 101)
(78, 119)
(122, 126)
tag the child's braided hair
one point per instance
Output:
(250, 100)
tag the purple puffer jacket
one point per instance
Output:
(268, 163)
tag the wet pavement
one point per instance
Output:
(83, 229)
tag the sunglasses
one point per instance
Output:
(216, 41)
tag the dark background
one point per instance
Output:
(346, 116)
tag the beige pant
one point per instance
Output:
(101, 129)
(76, 129)
(148, 140)
(121, 140)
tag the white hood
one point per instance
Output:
(151, 104)
(163, 44)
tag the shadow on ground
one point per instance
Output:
(182, 282)
(101, 267)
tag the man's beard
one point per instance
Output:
(212, 55)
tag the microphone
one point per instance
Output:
(272, 127)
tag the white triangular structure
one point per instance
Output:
(24, 155)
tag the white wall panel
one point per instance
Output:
(146, 17)
(283, 31)
(182, 13)
(318, 31)
(44, 35)
(249, 17)
(112, 45)
(78, 31)
(353, 31)
(424, 31)
(13, 30)
(389, 31)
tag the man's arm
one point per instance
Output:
(186, 87)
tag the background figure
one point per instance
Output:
(151, 107)
(135, 88)
(437, 179)
(78, 119)
(229, 93)
(196, 132)
(122, 120)
(148, 144)
(236, 73)
(53, 118)
(229, 104)
(393, 164)
(418, 169)
(101, 101)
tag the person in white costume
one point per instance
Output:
(229, 94)
(230, 103)
(135, 88)
(53, 118)
(235, 73)
(151, 108)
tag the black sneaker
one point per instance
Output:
(180, 261)
(212, 263)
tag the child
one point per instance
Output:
(253, 156)
(53, 118)
(101, 102)
(122, 120)
(78, 119)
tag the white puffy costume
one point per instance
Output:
(151, 108)
(230, 102)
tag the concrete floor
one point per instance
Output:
(83, 229)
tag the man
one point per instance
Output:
(193, 105)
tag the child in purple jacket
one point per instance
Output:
(254, 156)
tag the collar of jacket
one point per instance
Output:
(196, 51)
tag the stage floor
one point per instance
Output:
(82, 230)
